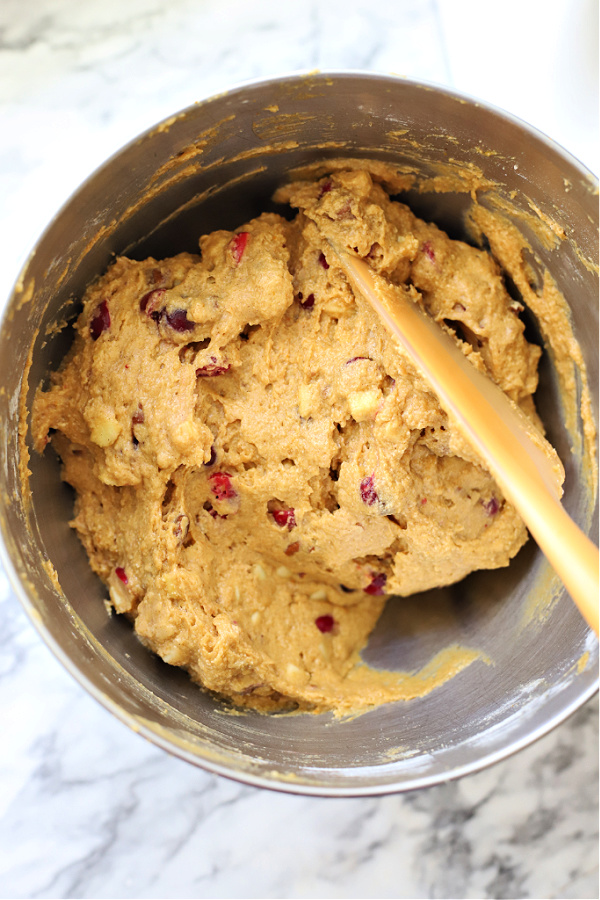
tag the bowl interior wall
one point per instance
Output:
(216, 166)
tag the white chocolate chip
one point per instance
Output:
(173, 655)
(325, 649)
(185, 434)
(295, 674)
(102, 422)
(319, 594)
(120, 597)
(105, 430)
(308, 399)
(255, 619)
(364, 404)
(283, 572)
(394, 430)
(338, 305)
(170, 581)
(259, 572)
(164, 631)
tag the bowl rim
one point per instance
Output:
(277, 780)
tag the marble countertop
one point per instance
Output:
(87, 808)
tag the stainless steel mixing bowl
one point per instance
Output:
(216, 165)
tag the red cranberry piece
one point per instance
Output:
(285, 518)
(368, 494)
(427, 249)
(325, 188)
(491, 507)
(151, 301)
(213, 457)
(292, 548)
(178, 320)
(120, 573)
(377, 584)
(238, 245)
(214, 367)
(325, 624)
(345, 212)
(322, 261)
(138, 416)
(220, 485)
(100, 321)
(212, 512)
(181, 527)
(308, 303)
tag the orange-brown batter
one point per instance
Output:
(256, 464)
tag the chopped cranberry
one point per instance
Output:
(138, 416)
(120, 573)
(377, 584)
(212, 512)
(181, 527)
(285, 518)
(178, 320)
(151, 302)
(292, 548)
(212, 368)
(100, 321)
(238, 245)
(220, 485)
(308, 303)
(325, 188)
(213, 457)
(491, 507)
(368, 494)
(423, 501)
(345, 212)
(322, 261)
(427, 249)
(354, 358)
(325, 624)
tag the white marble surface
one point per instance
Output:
(87, 808)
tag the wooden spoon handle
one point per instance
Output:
(498, 430)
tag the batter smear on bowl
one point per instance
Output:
(257, 466)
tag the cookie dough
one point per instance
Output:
(257, 465)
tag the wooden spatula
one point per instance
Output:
(499, 431)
